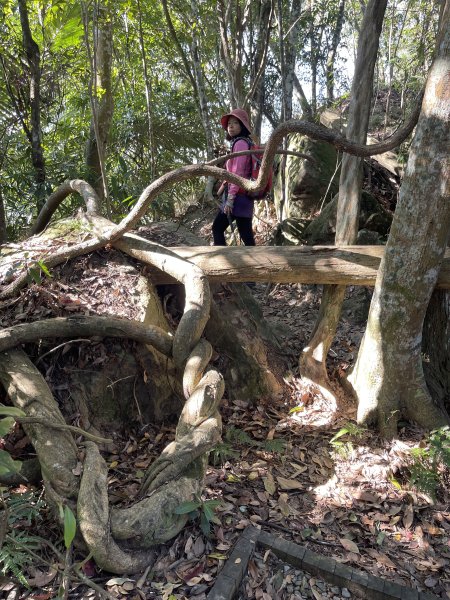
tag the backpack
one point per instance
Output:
(256, 166)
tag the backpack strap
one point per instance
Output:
(248, 140)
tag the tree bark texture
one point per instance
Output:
(349, 265)
(388, 376)
(436, 348)
(290, 54)
(34, 60)
(3, 234)
(259, 50)
(102, 104)
(331, 55)
(350, 183)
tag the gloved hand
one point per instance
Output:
(228, 208)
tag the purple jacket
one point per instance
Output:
(240, 165)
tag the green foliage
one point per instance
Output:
(237, 437)
(70, 524)
(7, 464)
(344, 447)
(203, 509)
(7, 423)
(35, 271)
(22, 512)
(428, 460)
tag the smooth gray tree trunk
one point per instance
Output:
(388, 376)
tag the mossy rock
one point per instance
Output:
(373, 219)
(309, 184)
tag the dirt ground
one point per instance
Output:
(277, 468)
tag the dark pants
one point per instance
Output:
(244, 226)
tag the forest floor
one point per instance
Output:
(278, 468)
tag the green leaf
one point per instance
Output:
(380, 538)
(204, 525)
(7, 464)
(34, 275)
(296, 409)
(44, 268)
(339, 434)
(186, 507)
(70, 526)
(395, 483)
(11, 411)
(6, 425)
(209, 508)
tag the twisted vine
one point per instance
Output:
(119, 539)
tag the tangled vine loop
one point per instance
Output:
(120, 539)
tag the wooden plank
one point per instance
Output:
(346, 265)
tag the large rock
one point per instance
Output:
(373, 219)
(310, 184)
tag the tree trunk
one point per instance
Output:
(261, 37)
(331, 56)
(34, 60)
(388, 376)
(3, 234)
(102, 102)
(313, 358)
(291, 54)
(148, 94)
(436, 348)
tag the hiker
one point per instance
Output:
(236, 204)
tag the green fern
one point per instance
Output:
(276, 445)
(428, 460)
(221, 453)
(344, 447)
(14, 557)
(23, 510)
(237, 437)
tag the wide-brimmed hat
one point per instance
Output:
(240, 114)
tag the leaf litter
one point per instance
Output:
(346, 499)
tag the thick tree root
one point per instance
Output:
(198, 296)
(86, 326)
(199, 429)
(195, 365)
(93, 517)
(177, 475)
(313, 358)
(153, 520)
(55, 449)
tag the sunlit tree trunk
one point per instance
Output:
(148, 93)
(195, 74)
(290, 54)
(331, 56)
(202, 96)
(260, 36)
(313, 358)
(35, 132)
(102, 99)
(388, 375)
(232, 26)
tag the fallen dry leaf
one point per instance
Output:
(269, 484)
(289, 484)
(408, 516)
(349, 545)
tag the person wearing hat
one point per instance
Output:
(236, 204)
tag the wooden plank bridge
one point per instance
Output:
(345, 265)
